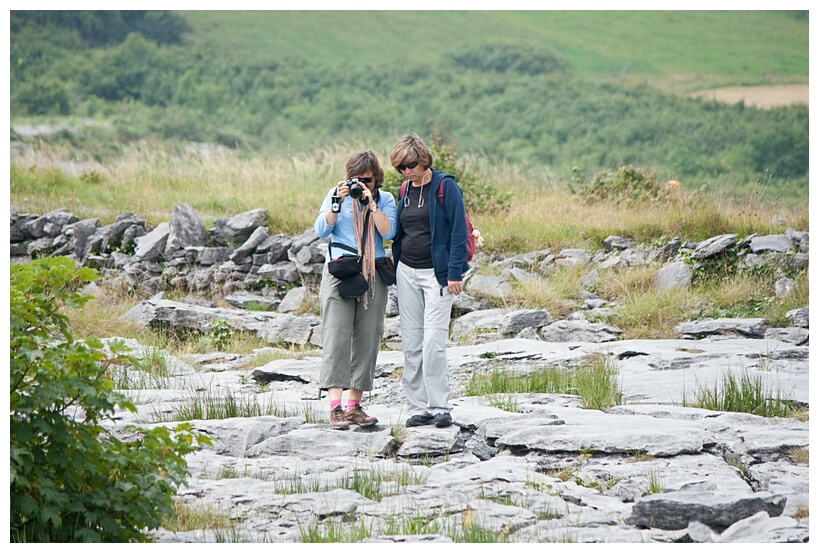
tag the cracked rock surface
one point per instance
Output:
(647, 470)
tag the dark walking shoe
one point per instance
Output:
(442, 420)
(356, 415)
(419, 420)
(338, 421)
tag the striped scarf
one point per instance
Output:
(364, 230)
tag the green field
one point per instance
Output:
(554, 93)
(685, 51)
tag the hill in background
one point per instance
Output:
(553, 89)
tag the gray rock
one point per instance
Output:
(713, 246)
(283, 272)
(516, 321)
(667, 252)
(771, 243)
(275, 247)
(579, 331)
(673, 275)
(51, 224)
(249, 246)
(800, 317)
(617, 243)
(700, 533)
(237, 229)
(20, 230)
(324, 443)
(462, 304)
(41, 247)
(186, 229)
(519, 275)
(784, 287)
(78, 235)
(590, 279)
(754, 328)
(293, 300)
(792, 335)
(152, 246)
(676, 510)
(488, 286)
(528, 334)
(248, 300)
(211, 256)
(575, 255)
(273, 327)
(763, 528)
(115, 232)
(310, 258)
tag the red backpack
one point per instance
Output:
(470, 236)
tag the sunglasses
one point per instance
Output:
(412, 165)
(365, 180)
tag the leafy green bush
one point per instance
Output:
(44, 96)
(625, 184)
(71, 479)
(104, 27)
(507, 57)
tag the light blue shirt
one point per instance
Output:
(342, 232)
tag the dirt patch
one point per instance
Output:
(758, 96)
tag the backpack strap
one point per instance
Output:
(402, 190)
(441, 189)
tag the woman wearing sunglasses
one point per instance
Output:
(351, 328)
(429, 250)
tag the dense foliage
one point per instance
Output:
(72, 480)
(103, 28)
(495, 98)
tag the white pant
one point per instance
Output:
(425, 307)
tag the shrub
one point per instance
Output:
(71, 479)
(625, 184)
(500, 58)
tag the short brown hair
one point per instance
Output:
(410, 148)
(362, 162)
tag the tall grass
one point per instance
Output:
(195, 516)
(594, 380)
(210, 405)
(742, 393)
(151, 179)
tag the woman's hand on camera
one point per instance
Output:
(366, 193)
(342, 190)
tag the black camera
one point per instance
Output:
(356, 190)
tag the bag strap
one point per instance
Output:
(343, 247)
(350, 248)
(402, 190)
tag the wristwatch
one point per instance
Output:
(373, 208)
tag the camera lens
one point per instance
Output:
(356, 190)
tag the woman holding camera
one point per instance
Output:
(430, 259)
(357, 219)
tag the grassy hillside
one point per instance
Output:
(547, 91)
(677, 50)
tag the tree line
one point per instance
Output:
(144, 75)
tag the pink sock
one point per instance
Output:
(334, 403)
(352, 404)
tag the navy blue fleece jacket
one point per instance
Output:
(447, 224)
